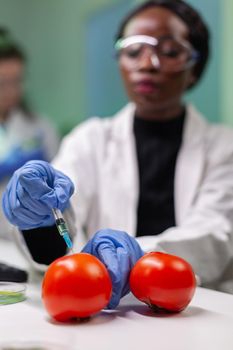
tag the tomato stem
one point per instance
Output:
(158, 309)
(83, 319)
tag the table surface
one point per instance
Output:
(206, 324)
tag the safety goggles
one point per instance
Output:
(169, 54)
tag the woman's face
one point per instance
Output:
(152, 89)
(11, 77)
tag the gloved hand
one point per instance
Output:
(119, 252)
(32, 192)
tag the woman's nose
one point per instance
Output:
(155, 61)
(149, 61)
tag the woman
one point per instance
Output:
(23, 136)
(156, 170)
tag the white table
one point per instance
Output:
(206, 324)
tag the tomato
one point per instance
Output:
(76, 286)
(163, 281)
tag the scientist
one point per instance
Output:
(23, 135)
(156, 170)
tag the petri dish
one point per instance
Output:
(11, 293)
(33, 346)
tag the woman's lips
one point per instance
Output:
(146, 87)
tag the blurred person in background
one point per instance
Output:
(157, 173)
(23, 135)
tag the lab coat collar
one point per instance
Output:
(124, 122)
(194, 128)
(194, 121)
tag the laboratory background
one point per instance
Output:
(71, 70)
(71, 75)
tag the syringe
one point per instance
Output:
(62, 227)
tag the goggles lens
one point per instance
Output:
(173, 54)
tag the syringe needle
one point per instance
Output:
(62, 227)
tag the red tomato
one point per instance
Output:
(163, 281)
(76, 286)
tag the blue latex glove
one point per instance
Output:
(33, 190)
(119, 252)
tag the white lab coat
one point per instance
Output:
(100, 158)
